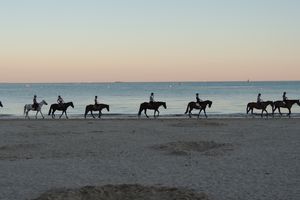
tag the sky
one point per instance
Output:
(149, 40)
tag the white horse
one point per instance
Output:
(28, 107)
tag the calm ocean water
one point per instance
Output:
(125, 98)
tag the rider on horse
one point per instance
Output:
(284, 97)
(96, 102)
(259, 100)
(151, 99)
(35, 104)
(60, 101)
(198, 100)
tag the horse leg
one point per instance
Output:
(290, 112)
(199, 113)
(205, 113)
(100, 113)
(26, 116)
(279, 112)
(42, 114)
(36, 114)
(154, 113)
(267, 113)
(262, 113)
(92, 114)
(145, 111)
(190, 112)
(66, 114)
(61, 114)
(53, 115)
(158, 113)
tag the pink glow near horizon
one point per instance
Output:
(146, 42)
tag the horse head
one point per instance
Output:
(107, 107)
(71, 104)
(298, 102)
(164, 105)
(1, 104)
(44, 102)
(271, 103)
(209, 103)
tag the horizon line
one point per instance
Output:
(83, 82)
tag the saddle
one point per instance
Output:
(34, 106)
(96, 106)
(61, 106)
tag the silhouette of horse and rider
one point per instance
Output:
(96, 107)
(285, 103)
(259, 105)
(61, 106)
(199, 105)
(151, 105)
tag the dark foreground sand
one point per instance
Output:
(150, 159)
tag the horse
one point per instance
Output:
(1, 104)
(260, 106)
(28, 107)
(63, 108)
(151, 106)
(288, 104)
(200, 106)
(93, 107)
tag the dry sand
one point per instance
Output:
(152, 159)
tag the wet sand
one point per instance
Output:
(216, 158)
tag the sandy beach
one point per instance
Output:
(218, 159)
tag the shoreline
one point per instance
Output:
(134, 116)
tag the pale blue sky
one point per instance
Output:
(233, 36)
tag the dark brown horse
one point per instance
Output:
(93, 107)
(199, 106)
(63, 108)
(260, 106)
(1, 104)
(151, 106)
(288, 104)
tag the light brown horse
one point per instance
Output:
(200, 106)
(151, 106)
(259, 106)
(288, 104)
(93, 107)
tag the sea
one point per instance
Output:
(229, 98)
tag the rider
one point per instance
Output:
(198, 100)
(151, 99)
(35, 104)
(96, 102)
(259, 100)
(284, 97)
(60, 101)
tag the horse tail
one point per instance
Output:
(86, 111)
(50, 110)
(187, 109)
(248, 109)
(140, 110)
